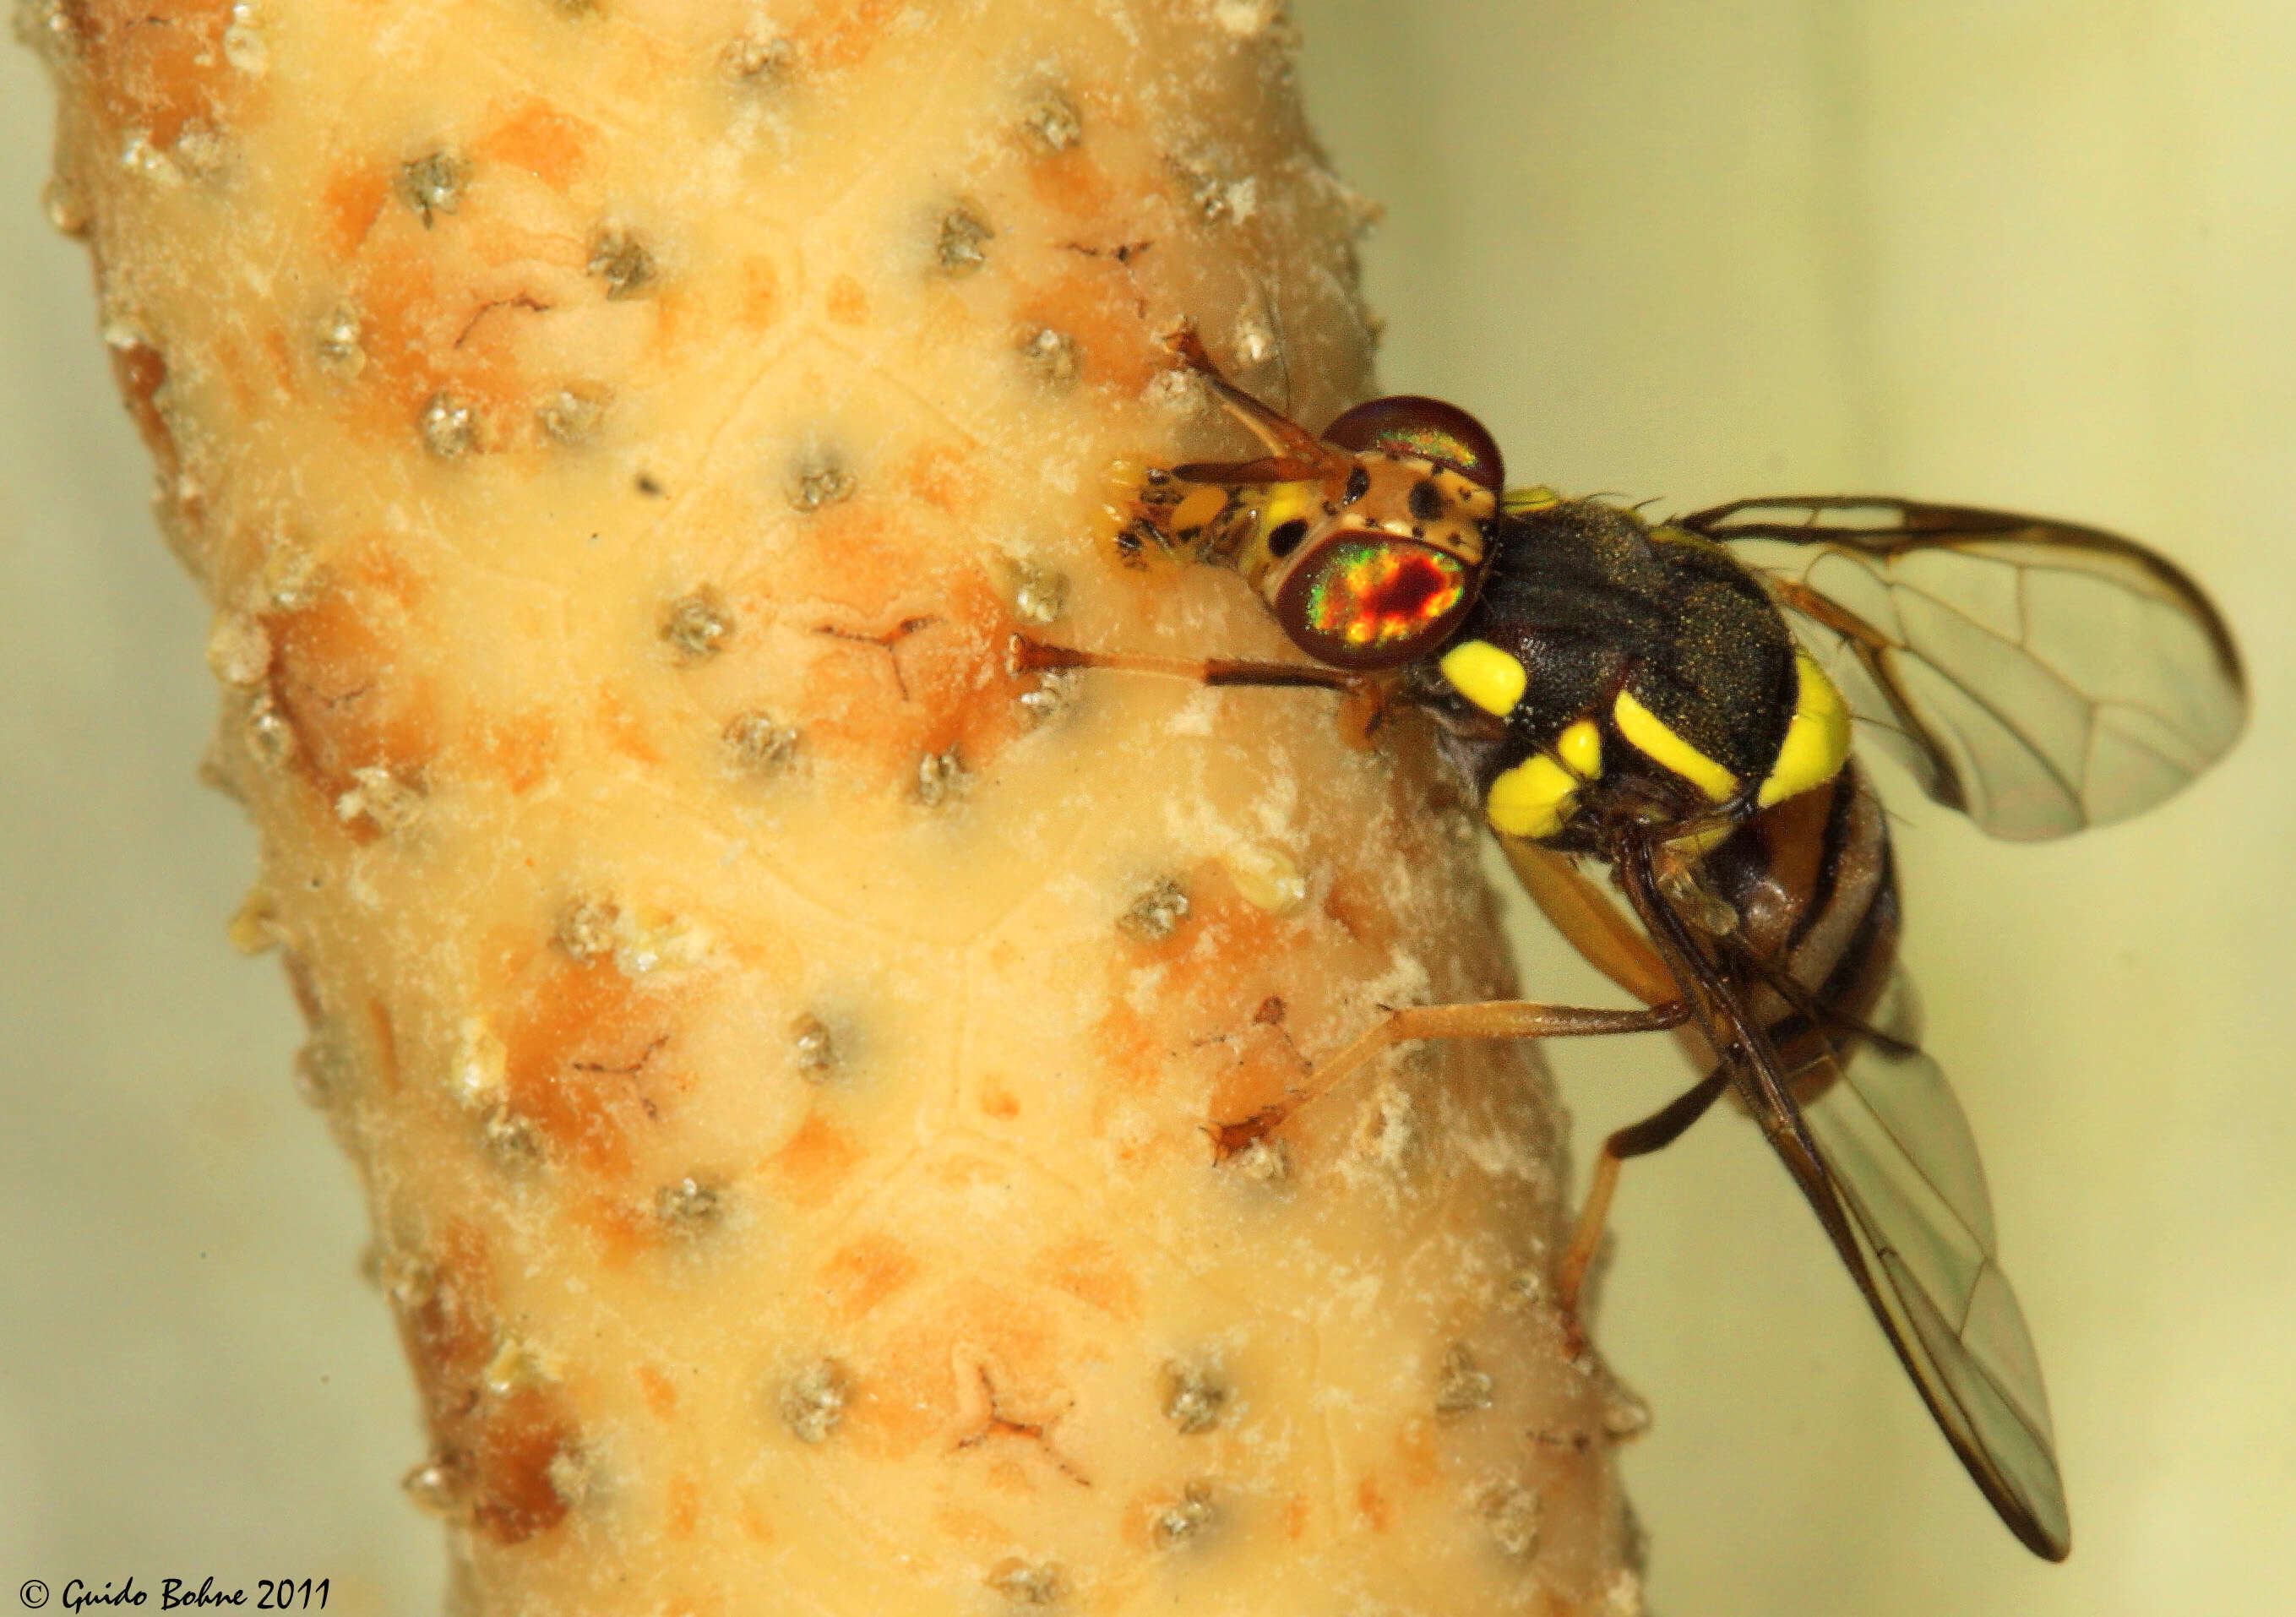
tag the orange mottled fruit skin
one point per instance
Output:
(783, 1046)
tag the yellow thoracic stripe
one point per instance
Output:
(1537, 798)
(1485, 676)
(1649, 735)
(1581, 748)
(1818, 736)
(1532, 800)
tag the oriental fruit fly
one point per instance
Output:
(1674, 699)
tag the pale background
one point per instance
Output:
(2022, 252)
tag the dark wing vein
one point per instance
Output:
(1987, 704)
(1885, 1157)
(2024, 644)
(2074, 716)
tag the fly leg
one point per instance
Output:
(1585, 915)
(1655, 1132)
(1491, 1019)
(1283, 435)
(1591, 922)
(1366, 695)
(1034, 657)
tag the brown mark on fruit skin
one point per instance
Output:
(349, 203)
(1355, 904)
(817, 1160)
(759, 305)
(499, 1446)
(519, 1436)
(1091, 1272)
(458, 310)
(1071, 182)
(1297, 1515)
(659, 1392)
(623, 732)
(517, 751)
(999, 1102)
(1197, 1022)
(437, 322)
(537, 138)
(618, 1232)
(584, 1053)
(860, 570)
(140, 371)
(838, 36)
(338, 676)
(948, 477)
(385, 1031)
(755, 1525)
(159, 64)
(285, 377)
(974, 1372)
(1098, 308)
(681, 1507)
(845, 303)
(864, 1274)
(1418, 1465)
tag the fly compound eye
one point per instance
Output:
(1427, 428)
(1361, 600)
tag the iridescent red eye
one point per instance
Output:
(1364, 601)
(1428, 428)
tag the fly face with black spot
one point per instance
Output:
(1366, 545)
(1675, 700)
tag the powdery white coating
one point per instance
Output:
(608, 435)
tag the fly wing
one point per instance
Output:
(2037, 675)
(1897, 1169)
(1871, 1132)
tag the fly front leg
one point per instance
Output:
(1490, 1019)
(1034, 657)
(1366, 697)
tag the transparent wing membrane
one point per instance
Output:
(2037, 675)
(1916, 1228)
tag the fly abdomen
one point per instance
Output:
(1814, 887)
